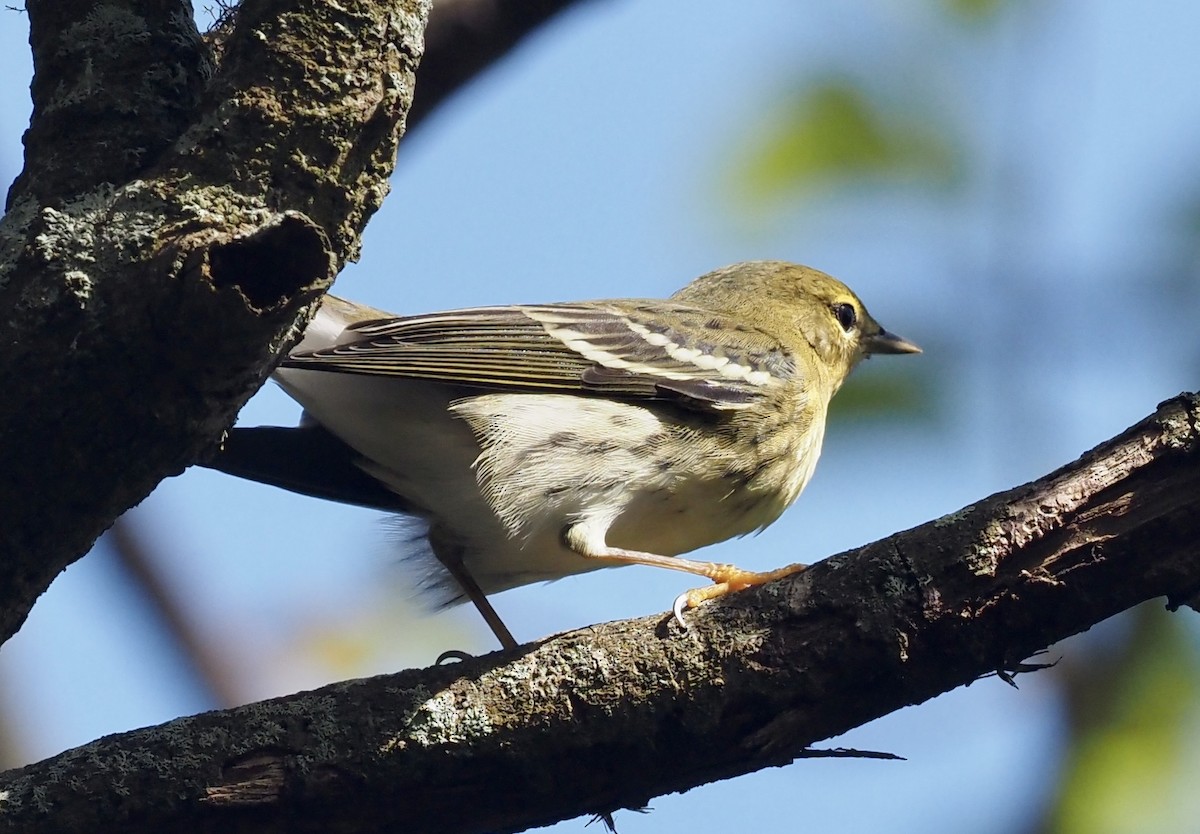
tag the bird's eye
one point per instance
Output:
(846, 316)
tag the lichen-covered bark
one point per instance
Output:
(611, 716)
(175, 220)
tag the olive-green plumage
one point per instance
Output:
(544, 440)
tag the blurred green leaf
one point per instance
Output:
(833, 132)
(894, 394)
(1128, 769)
(973, 11)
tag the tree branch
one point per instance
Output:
(465, 37)
(611, 716)
(172, 226)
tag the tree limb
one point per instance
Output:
(465, 37)
(174, 223)
(613, 715)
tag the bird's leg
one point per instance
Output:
(481, 603)
(451, 558)
(726, 578)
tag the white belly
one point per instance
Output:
(507, 474)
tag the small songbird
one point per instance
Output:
(540, 441)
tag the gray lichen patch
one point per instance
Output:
(444, 720)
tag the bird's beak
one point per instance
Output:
(885, 342)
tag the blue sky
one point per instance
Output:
(594, 163)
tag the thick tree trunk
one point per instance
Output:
(173, 225)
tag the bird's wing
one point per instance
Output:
(625, 349)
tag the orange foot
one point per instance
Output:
(727, 579)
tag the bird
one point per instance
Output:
(531, 442)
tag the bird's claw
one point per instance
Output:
(726, 579)
(681, 602)
(453, 654)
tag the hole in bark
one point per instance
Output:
(272, 264)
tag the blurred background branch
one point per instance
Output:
(465, 37)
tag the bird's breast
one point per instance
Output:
(659, 480)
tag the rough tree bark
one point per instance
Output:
(613, 715)
(173, 225)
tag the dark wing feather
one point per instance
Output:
(623, 349)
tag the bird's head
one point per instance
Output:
(797, 305)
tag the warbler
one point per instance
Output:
(539, 441)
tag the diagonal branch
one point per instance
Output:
(613, 715)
